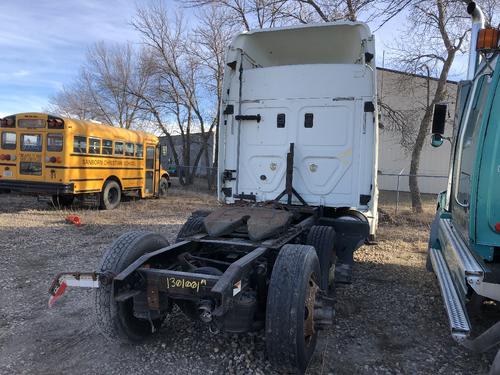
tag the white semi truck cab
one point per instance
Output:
(313, 86)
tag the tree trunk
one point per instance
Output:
(208, 170)
(416, 200)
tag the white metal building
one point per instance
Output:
(408, 93)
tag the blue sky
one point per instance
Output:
(43, 44)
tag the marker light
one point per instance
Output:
(487, 39)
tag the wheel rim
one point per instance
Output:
(309, 330)
(113, 195)
(163, 188)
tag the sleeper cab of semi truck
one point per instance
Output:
(312, 86)
(464, 245)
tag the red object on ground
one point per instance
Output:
(57, 294)
(74, 219)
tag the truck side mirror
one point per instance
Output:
(438, 123)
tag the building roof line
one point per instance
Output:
(414, 75)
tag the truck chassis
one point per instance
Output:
(271, 266)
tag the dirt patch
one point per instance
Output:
(391, 320)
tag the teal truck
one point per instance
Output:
(464, 244)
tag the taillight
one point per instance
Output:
(497, 227)
(53, 159)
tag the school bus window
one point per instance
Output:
(139, 150)
(31, 142)
(118, 148)
(9, 141)
(94, 146)
(150, 157)
(107, 147)
(80, 144)
(129, 149)
(30, 168)
(54, 142)
(31, 123)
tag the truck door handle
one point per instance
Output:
(248, 117)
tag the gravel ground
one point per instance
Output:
(390, 321)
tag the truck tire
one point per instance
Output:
(114, 319)
(163, 187)
(192, 226)
(111, 195)
(322, 238)
(290, 333)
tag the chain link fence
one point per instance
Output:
(199, 177)
(393, 187)
(395, 191)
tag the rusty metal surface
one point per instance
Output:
(309, 328)
(260, 222)
(153, 295)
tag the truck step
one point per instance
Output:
(465, 261)
(459, 322)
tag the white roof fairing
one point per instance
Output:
(334, 43)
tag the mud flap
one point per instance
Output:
(350, 235)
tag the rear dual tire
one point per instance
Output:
(290, 332)
(193, 225)
(116, 320)
(322, 238)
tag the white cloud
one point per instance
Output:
(44, 49)
(21, 73)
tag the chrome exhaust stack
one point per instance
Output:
(478, 23)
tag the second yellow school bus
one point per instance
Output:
(61, 157)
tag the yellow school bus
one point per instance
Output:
(48, 155)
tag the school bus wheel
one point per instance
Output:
(163, 187)
(111, 195)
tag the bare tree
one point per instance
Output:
(251, 14)
(73, 101)
(101, 90)
(108, 73)
(211, 38)
(437, 31)
(185, 68)
(246, 14)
